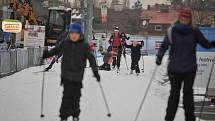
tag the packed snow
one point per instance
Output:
(20, 95)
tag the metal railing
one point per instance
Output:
(15, 60)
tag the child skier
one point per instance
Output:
(182, 40)
(135, 55)
(75, 52)
(107, 59)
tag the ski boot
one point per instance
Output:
(63, 120)
(75, 119)
(118, 69)
(138, 74)
(47, 69)
(113, 66)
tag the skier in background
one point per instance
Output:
(107, 59)
(75, 53)
(135, 55)
(115, 42)
(182, 39)
(123, 42)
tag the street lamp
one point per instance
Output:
(145, 25)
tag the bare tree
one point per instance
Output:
(203, 14)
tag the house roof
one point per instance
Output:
(157, 17)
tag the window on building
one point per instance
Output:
(158, 27)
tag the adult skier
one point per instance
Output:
(182, 39)
(115, 42)
(75, 53)
(135, 55)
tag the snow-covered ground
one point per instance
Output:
(20, 95)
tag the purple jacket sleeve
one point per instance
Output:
(164, 47)
(202, 40)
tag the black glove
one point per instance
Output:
(158, 61)
(213, 43)
(97, 76)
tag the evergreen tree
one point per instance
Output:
(137, 5)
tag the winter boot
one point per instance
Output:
(102, 67)
(75, 119)
(63, 120)
(107, 68)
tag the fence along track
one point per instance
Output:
(15, 60)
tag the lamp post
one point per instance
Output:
(145, 25)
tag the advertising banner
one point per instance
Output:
(11, 26)
(104, 9)
(34, 36)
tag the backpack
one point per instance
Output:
(169, 34)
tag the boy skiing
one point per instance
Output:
(135, 55)
(182, 39)
(75, 52)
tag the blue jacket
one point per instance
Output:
(182, 55)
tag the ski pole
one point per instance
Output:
(124, 54)
(42, 95)
(105, 100)
(96, 56)
(208, 83)
(143, 63)
(146, 93)
(126, 63)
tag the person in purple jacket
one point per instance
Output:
(182, 39)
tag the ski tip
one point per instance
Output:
(109, 115)
(42, 116)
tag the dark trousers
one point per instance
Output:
(176, 81)
(135, 63)
(117, 59)
(71, 98)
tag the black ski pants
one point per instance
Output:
(70, 105)
(176, 81)
(135, 63)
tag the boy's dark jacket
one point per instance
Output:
(182, 57)
(135, 51)
(74, 59)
